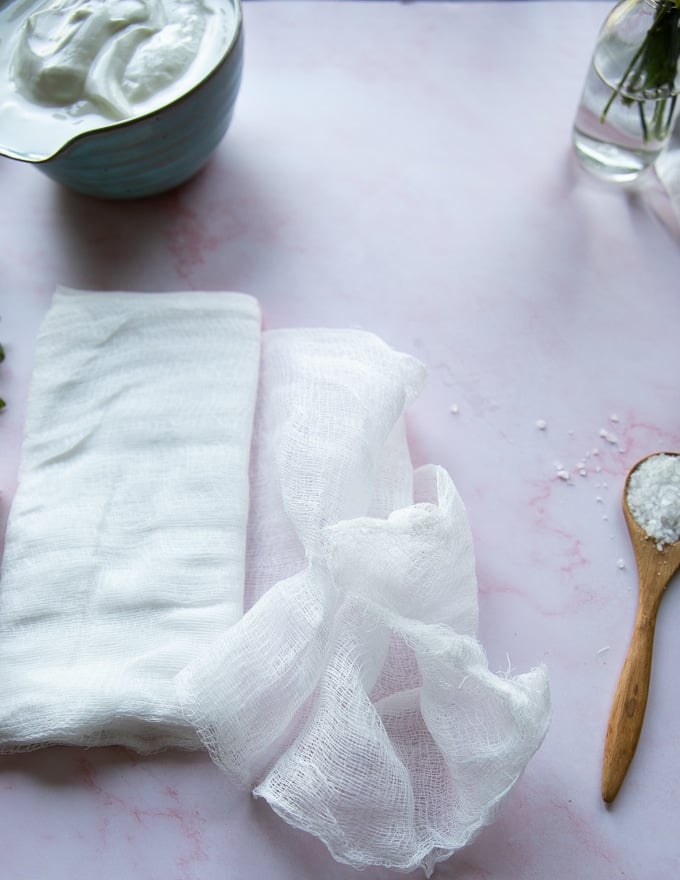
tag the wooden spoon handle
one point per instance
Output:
(630, 701)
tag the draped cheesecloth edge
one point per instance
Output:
(353, 695)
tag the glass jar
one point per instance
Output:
(628, 104)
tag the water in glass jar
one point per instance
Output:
(617, 136)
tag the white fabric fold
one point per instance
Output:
(126, 539)
(180, 468)
(353, 694)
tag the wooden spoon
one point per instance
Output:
(656, 567)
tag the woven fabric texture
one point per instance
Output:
(218, 538)
(126, 540)
(353, 695)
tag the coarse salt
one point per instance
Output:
(653, 497)
(608, 436)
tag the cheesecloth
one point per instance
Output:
(125, 542)
(218, 537)
(353, 694)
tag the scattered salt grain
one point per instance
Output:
(603, 650)
(541, 424)
(562, 474)
(453, 409)
(613, 417)
(620, 563)
(608, 436)
(654, 497)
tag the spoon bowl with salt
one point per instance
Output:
(651, 506)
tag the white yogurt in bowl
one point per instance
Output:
(73, 66)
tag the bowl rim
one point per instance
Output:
(125, 123)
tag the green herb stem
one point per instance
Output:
(652, 71)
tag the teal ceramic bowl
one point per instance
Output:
(150, 154)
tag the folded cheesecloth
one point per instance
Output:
(218, 540)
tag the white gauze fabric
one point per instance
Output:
(126, 540)
(353, 694)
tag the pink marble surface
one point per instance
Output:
(406, 168)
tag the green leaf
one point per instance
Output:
(652, 71)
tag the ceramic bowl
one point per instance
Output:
(156, 152)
